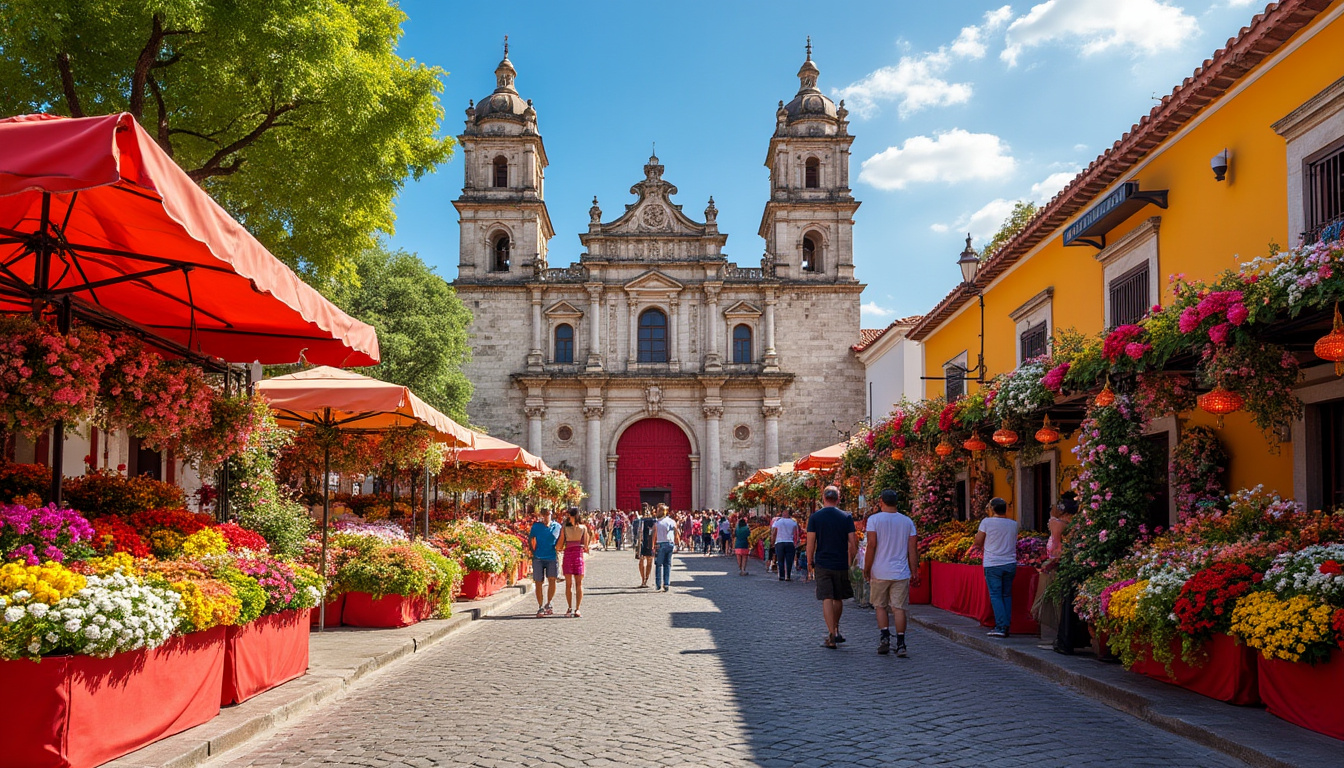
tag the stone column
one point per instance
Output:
(611, 480)
(535, 413)
(771, 414)
(771, 361)
(713, 359)
(632, 305)
(674, 338)
(536, 356)
(695, 482)
(713, 414)
(594, 328)
(592, 481)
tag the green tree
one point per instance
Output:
(422, 326)
(296, 115)
(1023, 211)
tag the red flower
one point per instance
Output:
(1331, 568)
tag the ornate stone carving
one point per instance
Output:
(653, 399)
(741, 471)
(654, 217)
(535, 411)
(772, 411)
(595, 213)
(592, 412)
(713, 411)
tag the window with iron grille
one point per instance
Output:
(954, 381)
(1129, 296)
(1325, 195)
(1033, 342)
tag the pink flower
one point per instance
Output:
(1218, 333)
(1237, 313)
(1102, 536)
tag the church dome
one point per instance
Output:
(810, 102)
(504, 103)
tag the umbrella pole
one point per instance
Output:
(58, 430)
(326, 508)
(426, 503)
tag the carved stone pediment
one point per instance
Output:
(563, 309)
(742, 310)
(653, 282)
(652, 217)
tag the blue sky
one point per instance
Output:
(958, 109)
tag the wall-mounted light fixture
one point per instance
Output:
(1219, 165)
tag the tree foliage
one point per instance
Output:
(421, 324)
(296, 115)
(1023, 211)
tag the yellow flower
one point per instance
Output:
(207, 603)
(204, 542)
(47, 583)
(1281, 628)
(113, 563)
(1124, 603)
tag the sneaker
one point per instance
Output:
(541, 612)
(829, 642)
(884, 647)
(549, 610)
(900, 650)
(996, 633)
(665, 587)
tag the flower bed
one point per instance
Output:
(263, 654)
(479, 584)
(923, 594)
(362, 609)
(961, 589)
(1305, 694)
(1227, 672)
(81, 711)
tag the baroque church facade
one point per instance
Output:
(653, 368)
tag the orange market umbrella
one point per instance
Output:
(826, 458)
(761, 475)
(493, 453)
(336, 399)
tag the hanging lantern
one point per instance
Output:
(1331, 346)
(897, 454)
(1004, 436)
(975, 444)
(1047, 433)
(944, 449)
(1220, 402)
(1105, 397)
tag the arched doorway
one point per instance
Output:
(654, 465)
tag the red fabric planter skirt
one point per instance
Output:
(478, 584)
(333, 612)
(962, 590)
(1304, 694)
(1229, 673)
(80, 712)
(923, 594)
(261, 655)
(363, 610)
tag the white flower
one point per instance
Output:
(13, 614)
(93, 632)
(73, 625)
(38, 610)
(22, 595)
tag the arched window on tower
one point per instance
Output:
(564, 343)
(812, 173)
(652, 337)
(742, 344)
(501, 261)
(811, 258)
(501, 166)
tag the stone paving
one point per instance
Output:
(721, 671)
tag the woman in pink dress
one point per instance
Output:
(574, 542)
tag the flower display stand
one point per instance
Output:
(923, 594)
(263, 654)
(479, 584)
(1228, 673)
(1305, 694)
(333, 612)
(364, 610)
(80, 711)
(961, 589)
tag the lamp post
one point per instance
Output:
(969, 262)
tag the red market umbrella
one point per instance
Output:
(96, 218)
(826, 458)
(336, 399)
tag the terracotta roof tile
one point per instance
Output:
(869, 335)
(1252, 45)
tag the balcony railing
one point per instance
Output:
(734, 272)
(574, 273)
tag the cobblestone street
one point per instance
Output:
(721, 671)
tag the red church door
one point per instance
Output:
(655, 456)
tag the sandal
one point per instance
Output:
(578, 615)
(829, 643)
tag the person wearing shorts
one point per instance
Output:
(545, 564)
(741, 544)
(645, 545)
(890, 566)
(832, 543)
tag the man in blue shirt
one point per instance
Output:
(832, 544)
(543, 536)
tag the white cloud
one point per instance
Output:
(939, 228)
(950, 157)
(1146, 26)
(917, 82)
(872, 312)
(1079, 147)
(1043, 190)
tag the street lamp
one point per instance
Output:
(969, 263)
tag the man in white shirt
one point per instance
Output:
(998, 538)
(784, 533)
(890, 566)
(666, 537)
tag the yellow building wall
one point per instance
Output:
(1208, 227)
